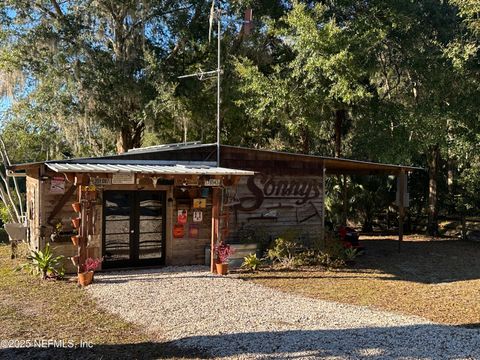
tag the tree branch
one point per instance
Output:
(15, 183)
(57, 8)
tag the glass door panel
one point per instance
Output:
(117, 226)
(150, 223)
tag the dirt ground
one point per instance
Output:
(436, 279)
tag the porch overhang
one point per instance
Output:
(158, 169)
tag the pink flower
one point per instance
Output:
(223, 252)
(92, 264)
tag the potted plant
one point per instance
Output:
(222, 253)
(86, 277)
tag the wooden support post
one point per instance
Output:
(81, 181)
(323, 233)
(215, 226)
(401, 207)
(82, 232)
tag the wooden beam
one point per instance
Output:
(401, 207)
(215, 225)
(82, 246)
(324, 238)
(61, 203)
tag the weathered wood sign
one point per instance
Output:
(100, 181)
(277, 203)
(123, 178)
(212, 182)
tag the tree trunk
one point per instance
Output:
(340, 116)
(129, 137)
(433, 160)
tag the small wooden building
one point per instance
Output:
(165, 204)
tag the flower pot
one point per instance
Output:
(75, 260)
(77, 207)
(75, 240)
(222, 269)
(85, 278)
(76, 222)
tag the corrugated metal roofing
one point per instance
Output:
(146, 169)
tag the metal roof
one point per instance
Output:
(164, 147)
(232, 157)
(146, 169)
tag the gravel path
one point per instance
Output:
(235, 319)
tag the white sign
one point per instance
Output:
(100, 181)
(212, 182)
(123, 178)
(57, 185)
(197, 216)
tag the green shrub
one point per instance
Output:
(351, 254)
(45, 264)
(330, 262)
(251, 262)
(283, 251)
(306, 258)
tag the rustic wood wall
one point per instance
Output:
(266, 206)
(32, 199)
(189, 250)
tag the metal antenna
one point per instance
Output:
(204, 75)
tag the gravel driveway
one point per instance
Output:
(232, 318)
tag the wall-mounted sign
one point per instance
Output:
(197, 216)
(213, 182)
(57, 185)
(123, 178)
(193, 231)
(283, 190)
(186, 181)
(182, 216)
(100, 181)
(199, 203)
(178, 231)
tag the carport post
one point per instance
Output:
(323, 235)
(401, 207)
(215, 225)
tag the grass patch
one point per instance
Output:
(438, 280)
(35, 309)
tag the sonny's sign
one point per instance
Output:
(261, 187)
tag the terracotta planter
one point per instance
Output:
(75, 240)
(222, 269)
(76, 222)
(77, 207)
(85, 278)
(75, 260)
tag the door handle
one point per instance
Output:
(132, 231)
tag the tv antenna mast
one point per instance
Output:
(215, 14)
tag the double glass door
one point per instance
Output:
(133, 228)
